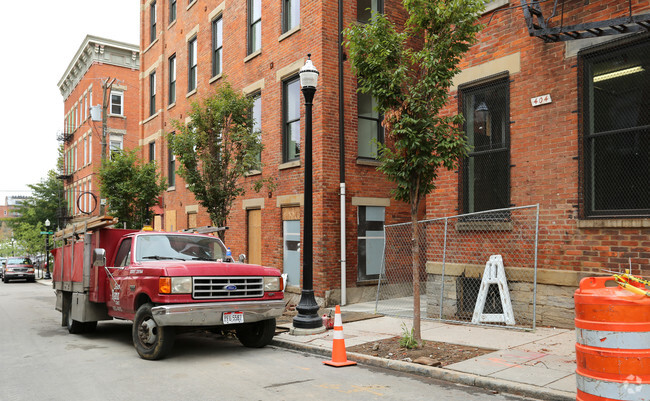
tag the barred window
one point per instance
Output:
(616, 130)
(486, 171)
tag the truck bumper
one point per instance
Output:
(211, 314)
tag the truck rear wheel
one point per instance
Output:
(74, 327)
(258, 334)
(151, 341)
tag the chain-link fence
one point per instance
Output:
(460, 277)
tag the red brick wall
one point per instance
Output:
(318, 36)
(544, 143)
(128, 81)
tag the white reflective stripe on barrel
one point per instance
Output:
(338, 334)
(629, 390)
(613, 339)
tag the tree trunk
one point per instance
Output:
(415, 249)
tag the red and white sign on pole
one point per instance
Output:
(540, 100)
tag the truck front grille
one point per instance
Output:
(227, 287)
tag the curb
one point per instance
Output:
(469, 379)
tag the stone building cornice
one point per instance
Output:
(95, 49)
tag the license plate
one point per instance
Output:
(233, 317)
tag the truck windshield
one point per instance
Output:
(19, 261)
(178, 247)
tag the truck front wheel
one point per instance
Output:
(258, 334)
(150, 340)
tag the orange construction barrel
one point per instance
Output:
(613, 342)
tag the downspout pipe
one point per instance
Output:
(342, 156)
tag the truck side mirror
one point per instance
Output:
(242, 258)
(99, 257)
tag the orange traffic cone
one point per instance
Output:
(339, 356)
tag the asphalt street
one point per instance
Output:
(41, 361)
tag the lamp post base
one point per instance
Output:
(307, 317)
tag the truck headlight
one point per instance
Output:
(272, 284)
(175, 285)
(181, 285)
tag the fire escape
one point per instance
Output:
(538, 26)
(66, 176)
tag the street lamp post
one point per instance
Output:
(47, 250)
(307, 317)
(13, 246)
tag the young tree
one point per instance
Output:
(409, 74)
(216, 148)
(131, 187)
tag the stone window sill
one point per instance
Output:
(615, 223)
(292, 164)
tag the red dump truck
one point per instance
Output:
(162, 282)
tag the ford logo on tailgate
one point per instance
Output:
(230, 287)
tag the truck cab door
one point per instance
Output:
(120, 271)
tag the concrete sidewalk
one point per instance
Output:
(539, 364)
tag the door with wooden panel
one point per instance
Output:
(255, 236)
(170, 220)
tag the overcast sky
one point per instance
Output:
(39, 39)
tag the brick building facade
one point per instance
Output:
(525, 100)
(98, 63)
(190, 48)
(558, 118)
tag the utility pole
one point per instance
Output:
(107, 84)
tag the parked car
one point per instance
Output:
(3, 263)
(19, 268)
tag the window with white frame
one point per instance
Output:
(117, 103)
(116, 143)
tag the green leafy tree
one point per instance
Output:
(44, 204)
(29, 239)
(217, 148)
(131, 187)
(409, 74)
